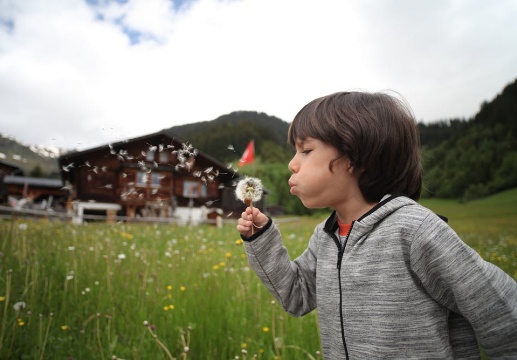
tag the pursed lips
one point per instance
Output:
(292, 185)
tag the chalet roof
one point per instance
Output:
(160, 134)
(33, 181)
(10, 165)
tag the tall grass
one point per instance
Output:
(89, 290)
(128, 291)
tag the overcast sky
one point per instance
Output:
(77, 74)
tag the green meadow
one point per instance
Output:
(135, 291)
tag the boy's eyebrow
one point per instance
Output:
(302, 142)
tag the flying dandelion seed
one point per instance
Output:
(231, 148)
(68, 167)
(211, 202)
(112, 151)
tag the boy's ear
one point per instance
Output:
(350, 166)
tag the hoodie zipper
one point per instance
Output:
(341, 252)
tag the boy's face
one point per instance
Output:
(313, 181)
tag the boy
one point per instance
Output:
(389, 278)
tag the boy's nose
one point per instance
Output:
(292, 166)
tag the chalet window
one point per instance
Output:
(142, 179)
(164, 157)
(194, 189)
(150, 155)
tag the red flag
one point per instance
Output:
(249, 154)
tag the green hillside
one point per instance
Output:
(237, 129)
(479, 157)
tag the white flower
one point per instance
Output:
(20, 305)
(121, 256)
(22, 226)
(249, 190)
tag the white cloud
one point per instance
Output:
(70, 75)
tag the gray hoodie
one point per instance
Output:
(403, 286)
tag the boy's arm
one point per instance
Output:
(292, 283)
(459, 279)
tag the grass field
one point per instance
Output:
(161, 292)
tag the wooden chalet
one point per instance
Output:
(18, 190)
(7, 168)
(153, 176)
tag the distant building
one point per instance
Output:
(153, 176)
(14, 187)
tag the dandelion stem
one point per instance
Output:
(98, 333)
(252, 221)
(160, 344)
(273, 331)
(6, 304)
(46, 337)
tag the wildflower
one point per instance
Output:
(249, 190)
(228, 255)
(215, 267)
(71, 248)
(244, 345)
(239, 242)
(166, 308)
(146, 323)
(64, 327)
(20, 305)
(2, 298)
(121, 256)
(183, 288)
(20, 322)
(22, 226)
(169, 287)
(265, 329)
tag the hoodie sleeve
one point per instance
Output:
(459, 279)
(292, 283)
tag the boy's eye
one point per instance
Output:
(306, 151)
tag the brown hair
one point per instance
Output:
(376, 131)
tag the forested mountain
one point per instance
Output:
(478, 157)
(237, 129)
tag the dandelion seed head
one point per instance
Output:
(20, 305)
(249, 190)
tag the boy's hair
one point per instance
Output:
(376, 131)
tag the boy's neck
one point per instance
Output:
(353, 210)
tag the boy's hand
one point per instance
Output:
(252, 219)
